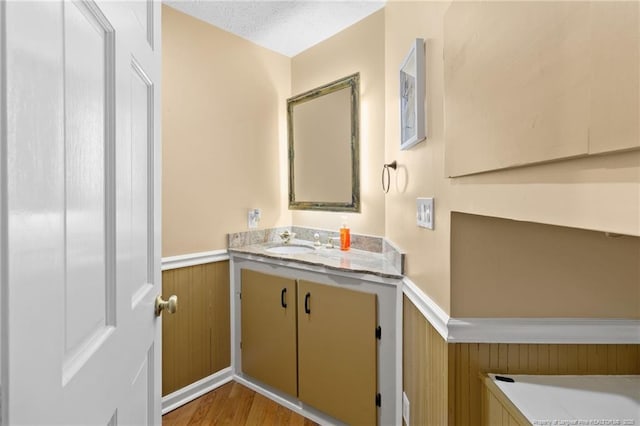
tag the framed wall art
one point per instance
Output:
(412, 117)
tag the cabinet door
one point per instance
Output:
(337, 354)
(269, 330)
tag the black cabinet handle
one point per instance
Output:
(307, 305)
(283, 300)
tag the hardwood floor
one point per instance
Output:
(233, 404)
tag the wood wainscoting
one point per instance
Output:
(468, 360)
(455, 399)
(424, 368)
(196, 339)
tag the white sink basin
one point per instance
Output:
(290, 249)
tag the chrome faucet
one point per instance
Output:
(286, 236)
(333, 242)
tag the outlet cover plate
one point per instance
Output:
(424, 212)
(253, 218)
(405, 408)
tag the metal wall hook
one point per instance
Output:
(393, 165)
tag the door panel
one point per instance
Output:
(269, 330)
(142, 152)
(82, 208)
(88, 51)
(136, 411)
(337, 352)
(143, 11)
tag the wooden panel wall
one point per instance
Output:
(196, 339)
(424, 369)
(443, 383)
(468, 360)
(497, 409)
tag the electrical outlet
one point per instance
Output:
(405, 408)
(424, 212)
(253, 218)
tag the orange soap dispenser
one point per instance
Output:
(345, 235)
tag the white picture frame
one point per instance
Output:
(412, 105)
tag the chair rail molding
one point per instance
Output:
(192, 259)
(438, 318)
(522, 330)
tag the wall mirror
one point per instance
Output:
(323, 128)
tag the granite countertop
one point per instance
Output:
(353, 260)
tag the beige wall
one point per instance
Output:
(535, 270)
(600, 193)
(359, 48)
(421, 169)
(534, 81)
(224, 134)
(212, 85)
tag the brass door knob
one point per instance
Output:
(170, 305)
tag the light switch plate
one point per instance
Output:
(253, 218)
(424, 212)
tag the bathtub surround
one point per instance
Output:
(534, 397)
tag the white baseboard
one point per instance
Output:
(192, 259)
(522, 330)
(195, 390)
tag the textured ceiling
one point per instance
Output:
(287, 27)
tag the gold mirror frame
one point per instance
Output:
(353, 82)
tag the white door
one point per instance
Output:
(80, 212)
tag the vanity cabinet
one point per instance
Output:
(269, 351)
(337, 351)
(321, 341)
(333, 349)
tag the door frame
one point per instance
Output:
(4, 308)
